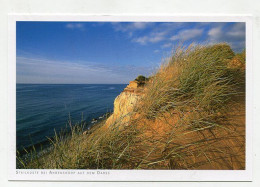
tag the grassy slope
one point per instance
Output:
(192, 116)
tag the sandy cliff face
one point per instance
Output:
(125, 103)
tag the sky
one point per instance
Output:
(108, 52)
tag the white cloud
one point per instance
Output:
(156, 51)
(167, 45)
(130, 27)
(236, 32)
(36, 70)
(140, 25)
(157, 37)
(159, 33)
(156, 34)
(239, 26)
(141, 40)
(234, 35)
(152, 38)
(187, 34)
(215, 32)
(75, 26)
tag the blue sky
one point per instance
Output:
(108, 52)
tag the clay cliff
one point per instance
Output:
(125, 102)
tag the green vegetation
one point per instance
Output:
(96, 148)
(183, 121)
(141, 78)
(242, 56)
(197, 77)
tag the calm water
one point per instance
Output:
(41, 108)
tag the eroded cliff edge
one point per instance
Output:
(124, 103)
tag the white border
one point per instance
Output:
(129, 175)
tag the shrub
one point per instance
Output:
(141, 78)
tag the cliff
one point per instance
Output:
(125, 102)
(191, 115)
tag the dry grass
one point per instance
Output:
(192, 116)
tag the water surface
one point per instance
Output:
(41, 108)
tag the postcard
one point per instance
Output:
(130, 98)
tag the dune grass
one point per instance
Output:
(197, 77)
(183, 121)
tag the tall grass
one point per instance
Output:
(199, 87)
(96, 148)
(196, 77)
(183, 121)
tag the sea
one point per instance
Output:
(43, 108)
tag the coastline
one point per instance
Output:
(190, 115)
(42, 108)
